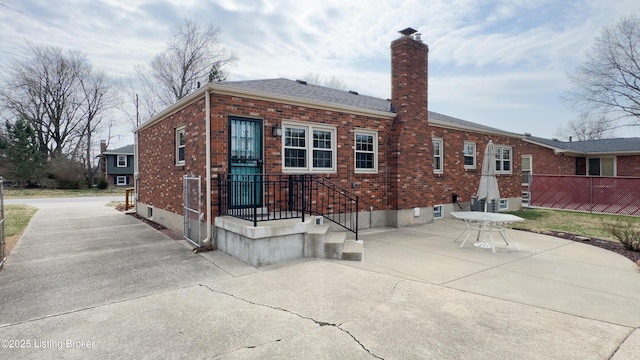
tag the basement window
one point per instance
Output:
(437, 212)
(504, 204)
(121, 180)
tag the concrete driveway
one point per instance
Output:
(86, 281)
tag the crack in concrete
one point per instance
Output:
(318, 322)
(359, 343)
(393, 291)
(622, 342)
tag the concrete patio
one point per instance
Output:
(86, 274)
(547, 272)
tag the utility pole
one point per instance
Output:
(137, 113)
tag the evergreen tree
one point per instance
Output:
(25, 160)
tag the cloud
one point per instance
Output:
(488, 60)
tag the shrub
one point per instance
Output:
(65, 184)
(626, 232)
(102, 183)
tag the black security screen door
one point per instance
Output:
(245, 159)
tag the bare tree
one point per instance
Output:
(193, 55)
(330, 82)
(43, 90)
(587, 128)
(608, 82)
(59, 94)
(98, 94)
(138, 98)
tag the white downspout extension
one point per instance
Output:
(207, 120)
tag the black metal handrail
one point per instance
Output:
(267, 197)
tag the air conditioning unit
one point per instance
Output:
(478, 205)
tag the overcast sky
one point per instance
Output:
(497, 63)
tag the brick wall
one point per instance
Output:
(628, 165)
(161, 179)
(464, 182)
(546, 162)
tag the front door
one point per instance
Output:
(245, 160)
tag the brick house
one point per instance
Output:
(403, 162)
(117, 165)
(605, 157)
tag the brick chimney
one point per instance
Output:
(412, 173)
(409, 57)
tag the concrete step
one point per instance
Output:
(319, 230)
(314, 243)
(333, 245)
(353, 250)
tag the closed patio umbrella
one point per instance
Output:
(488, 188)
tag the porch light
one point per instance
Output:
(277, 130)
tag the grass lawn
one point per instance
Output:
(17, 218)
(16, 193)
(578, 223)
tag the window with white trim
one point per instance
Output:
(601, 166)
(438, 156)
(526, 168)
(121, 180)
(322, 150)
(180, 145)
(366, 151)
(122, 161)
(503, 159)
(504, 204)
(309, 147)
(469, 155)
(438, 211)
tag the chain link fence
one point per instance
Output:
(609, 195)
(193, 210)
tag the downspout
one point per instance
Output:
(207, 120)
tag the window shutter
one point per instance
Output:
(115, 180)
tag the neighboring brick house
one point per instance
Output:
(404, 162)
(605, 157)
(117, 166)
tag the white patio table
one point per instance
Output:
(485, 223)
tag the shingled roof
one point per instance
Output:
(125, 150)
(590, 147)
(304, 90)
(450, 121)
